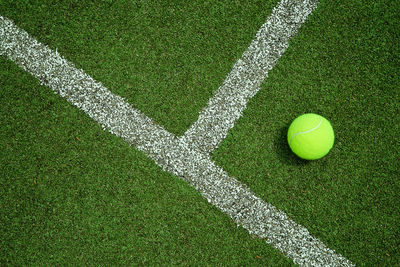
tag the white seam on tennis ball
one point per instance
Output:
(308, 131)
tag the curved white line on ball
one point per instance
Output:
(308, 131)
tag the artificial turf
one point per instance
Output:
(165, 57)
(343, 65)
(73, 194)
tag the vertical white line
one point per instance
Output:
(244, 81)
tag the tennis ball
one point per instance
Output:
(310, 136)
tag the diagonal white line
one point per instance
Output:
(244, 81)
(172, 154)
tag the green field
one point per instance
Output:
(166, 59)
(72, 194)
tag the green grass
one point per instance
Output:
(165, 57)
(344, 65)
(71, 193)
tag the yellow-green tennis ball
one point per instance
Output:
(310, 136)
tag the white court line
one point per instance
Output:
(172, 154)
(244, 81)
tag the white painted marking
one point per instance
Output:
(244, 81)
(172, 154)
